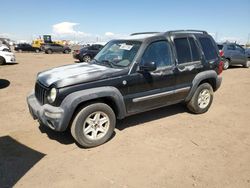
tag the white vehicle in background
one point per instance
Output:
(6, 56)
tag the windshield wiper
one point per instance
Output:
(108, 62)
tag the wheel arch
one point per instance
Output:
(210, 77)
(108, 95)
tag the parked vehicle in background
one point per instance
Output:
(87, 53)
(233, 54)
(4, 48)
(247, 50)
(55, 48)
(128, 76)
(26, 48)
(6, 56)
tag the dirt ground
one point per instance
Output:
(168, 147)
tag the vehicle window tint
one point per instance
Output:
(182, 50)
(220, 46)
(94, 47)
(158, 52)
(239, 48)
(194, 50)
(231, 47)
(208, 48)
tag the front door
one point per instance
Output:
(148, 90)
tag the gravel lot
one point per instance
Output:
(168, 147)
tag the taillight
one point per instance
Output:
(221, 53)
(221, 64)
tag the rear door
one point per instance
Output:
(188, 64)
(241, 56)
(232, 53)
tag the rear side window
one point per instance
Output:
(194, 50)
(220, 46)
(208, 48)
(182, 50)
(231, 47)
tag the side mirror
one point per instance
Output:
(148, 67)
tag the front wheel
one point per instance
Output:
(86, 58)
(202, 99)
(93, 125)
(49, 51)
(2, 61)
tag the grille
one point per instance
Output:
(40, 92)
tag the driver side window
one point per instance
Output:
(158, 52)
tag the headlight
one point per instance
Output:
(52, 95)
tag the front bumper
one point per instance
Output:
(10, 59)
(51, 116)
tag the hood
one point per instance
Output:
(76, 74)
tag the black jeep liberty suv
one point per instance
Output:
(128, 76)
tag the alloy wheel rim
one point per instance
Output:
(204, 98)
(96, 125)
(226, 65)
(87, 59)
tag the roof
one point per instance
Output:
(150, 35)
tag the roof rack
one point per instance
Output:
(141, 33)
(187, 31)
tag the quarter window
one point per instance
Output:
(194, 50)
(208, 48)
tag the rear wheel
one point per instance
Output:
(2, 61)
(66, 51)
(202, 99)
(86, 58)
(93, 125)
(226, 64)
(247, 64)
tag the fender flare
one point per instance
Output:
(210, 74)
(71, 102)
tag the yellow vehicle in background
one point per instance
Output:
(37, 43)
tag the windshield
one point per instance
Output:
(118, 54)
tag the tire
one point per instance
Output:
(86, 58)
(49, 51)
(202, 99)
(226, 64)
(247, 64)
(2, 61)
(66, 51)
(89, 133)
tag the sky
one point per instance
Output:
(102, 19)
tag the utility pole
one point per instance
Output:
(248, 39)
